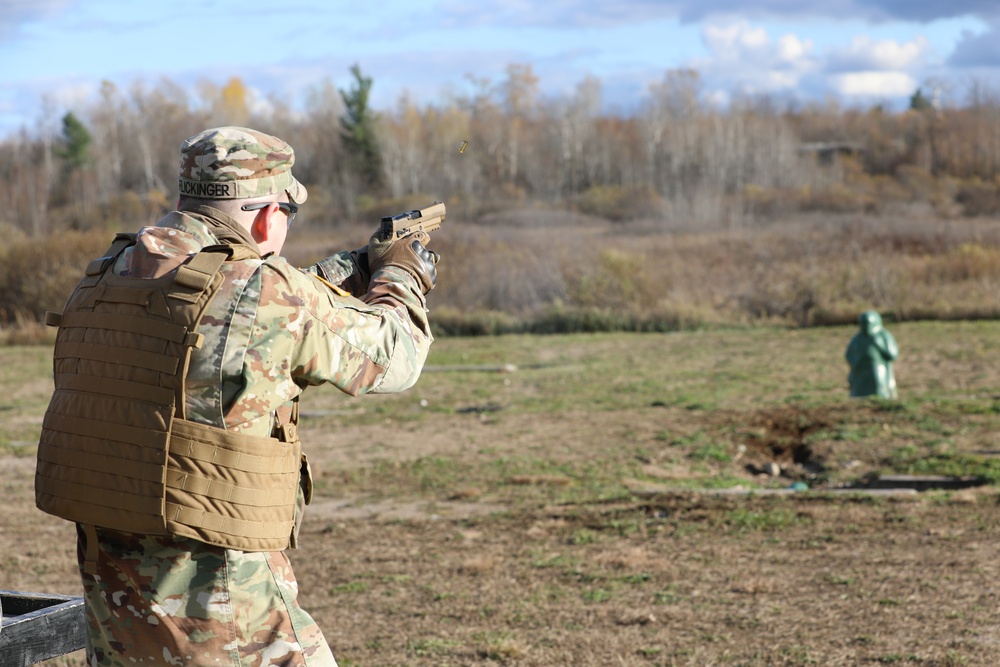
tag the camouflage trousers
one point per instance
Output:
(168, 601)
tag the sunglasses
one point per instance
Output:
(289, 208)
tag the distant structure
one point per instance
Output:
(827, 151)
(871, 354)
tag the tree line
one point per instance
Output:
(674, 158)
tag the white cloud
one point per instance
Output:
(731, 40)
(792, 48)
(878, 68)
(745, 58)
(71, 96)
(557, 13)
(43, 103)
(865, 53)
(874, 84)
(740, 43)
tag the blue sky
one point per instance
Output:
(55, 53)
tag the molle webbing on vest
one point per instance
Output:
(116, 450)
(249, 506)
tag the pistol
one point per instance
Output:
(425, 219)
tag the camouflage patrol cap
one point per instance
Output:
(237, 163)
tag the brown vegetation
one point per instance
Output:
(563, 216)
(567, 272)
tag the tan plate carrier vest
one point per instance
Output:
(116, 450)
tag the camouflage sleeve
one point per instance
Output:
(374, 344)
(343, 271)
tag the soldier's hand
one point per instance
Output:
(409, 253)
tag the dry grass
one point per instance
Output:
(818, 269)
(418, 549)
(549, 271)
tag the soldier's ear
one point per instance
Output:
(269, 229)
(262, 227)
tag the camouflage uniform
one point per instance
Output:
(270, 331)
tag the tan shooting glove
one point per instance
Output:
(408, 253)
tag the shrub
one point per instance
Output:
(978, 199)
(617, 203)
(617, 280)
(837, 198)
(919, 183)
(455, 322)
(129, 211)
(38, 274)
(969, 261)
(764, 203)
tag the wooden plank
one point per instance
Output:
(741, 491)
(38, 626)
(924, 482)
(489, 368)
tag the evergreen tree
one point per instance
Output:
(74, 143)
(918, 102)
(358, 126)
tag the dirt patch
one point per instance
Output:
(686, 579)
(479, 529)
(825, 445)
(693, 581)
(781, 434)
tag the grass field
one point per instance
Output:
(558, 500)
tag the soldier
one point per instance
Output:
(870, 355)
(171, 436)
